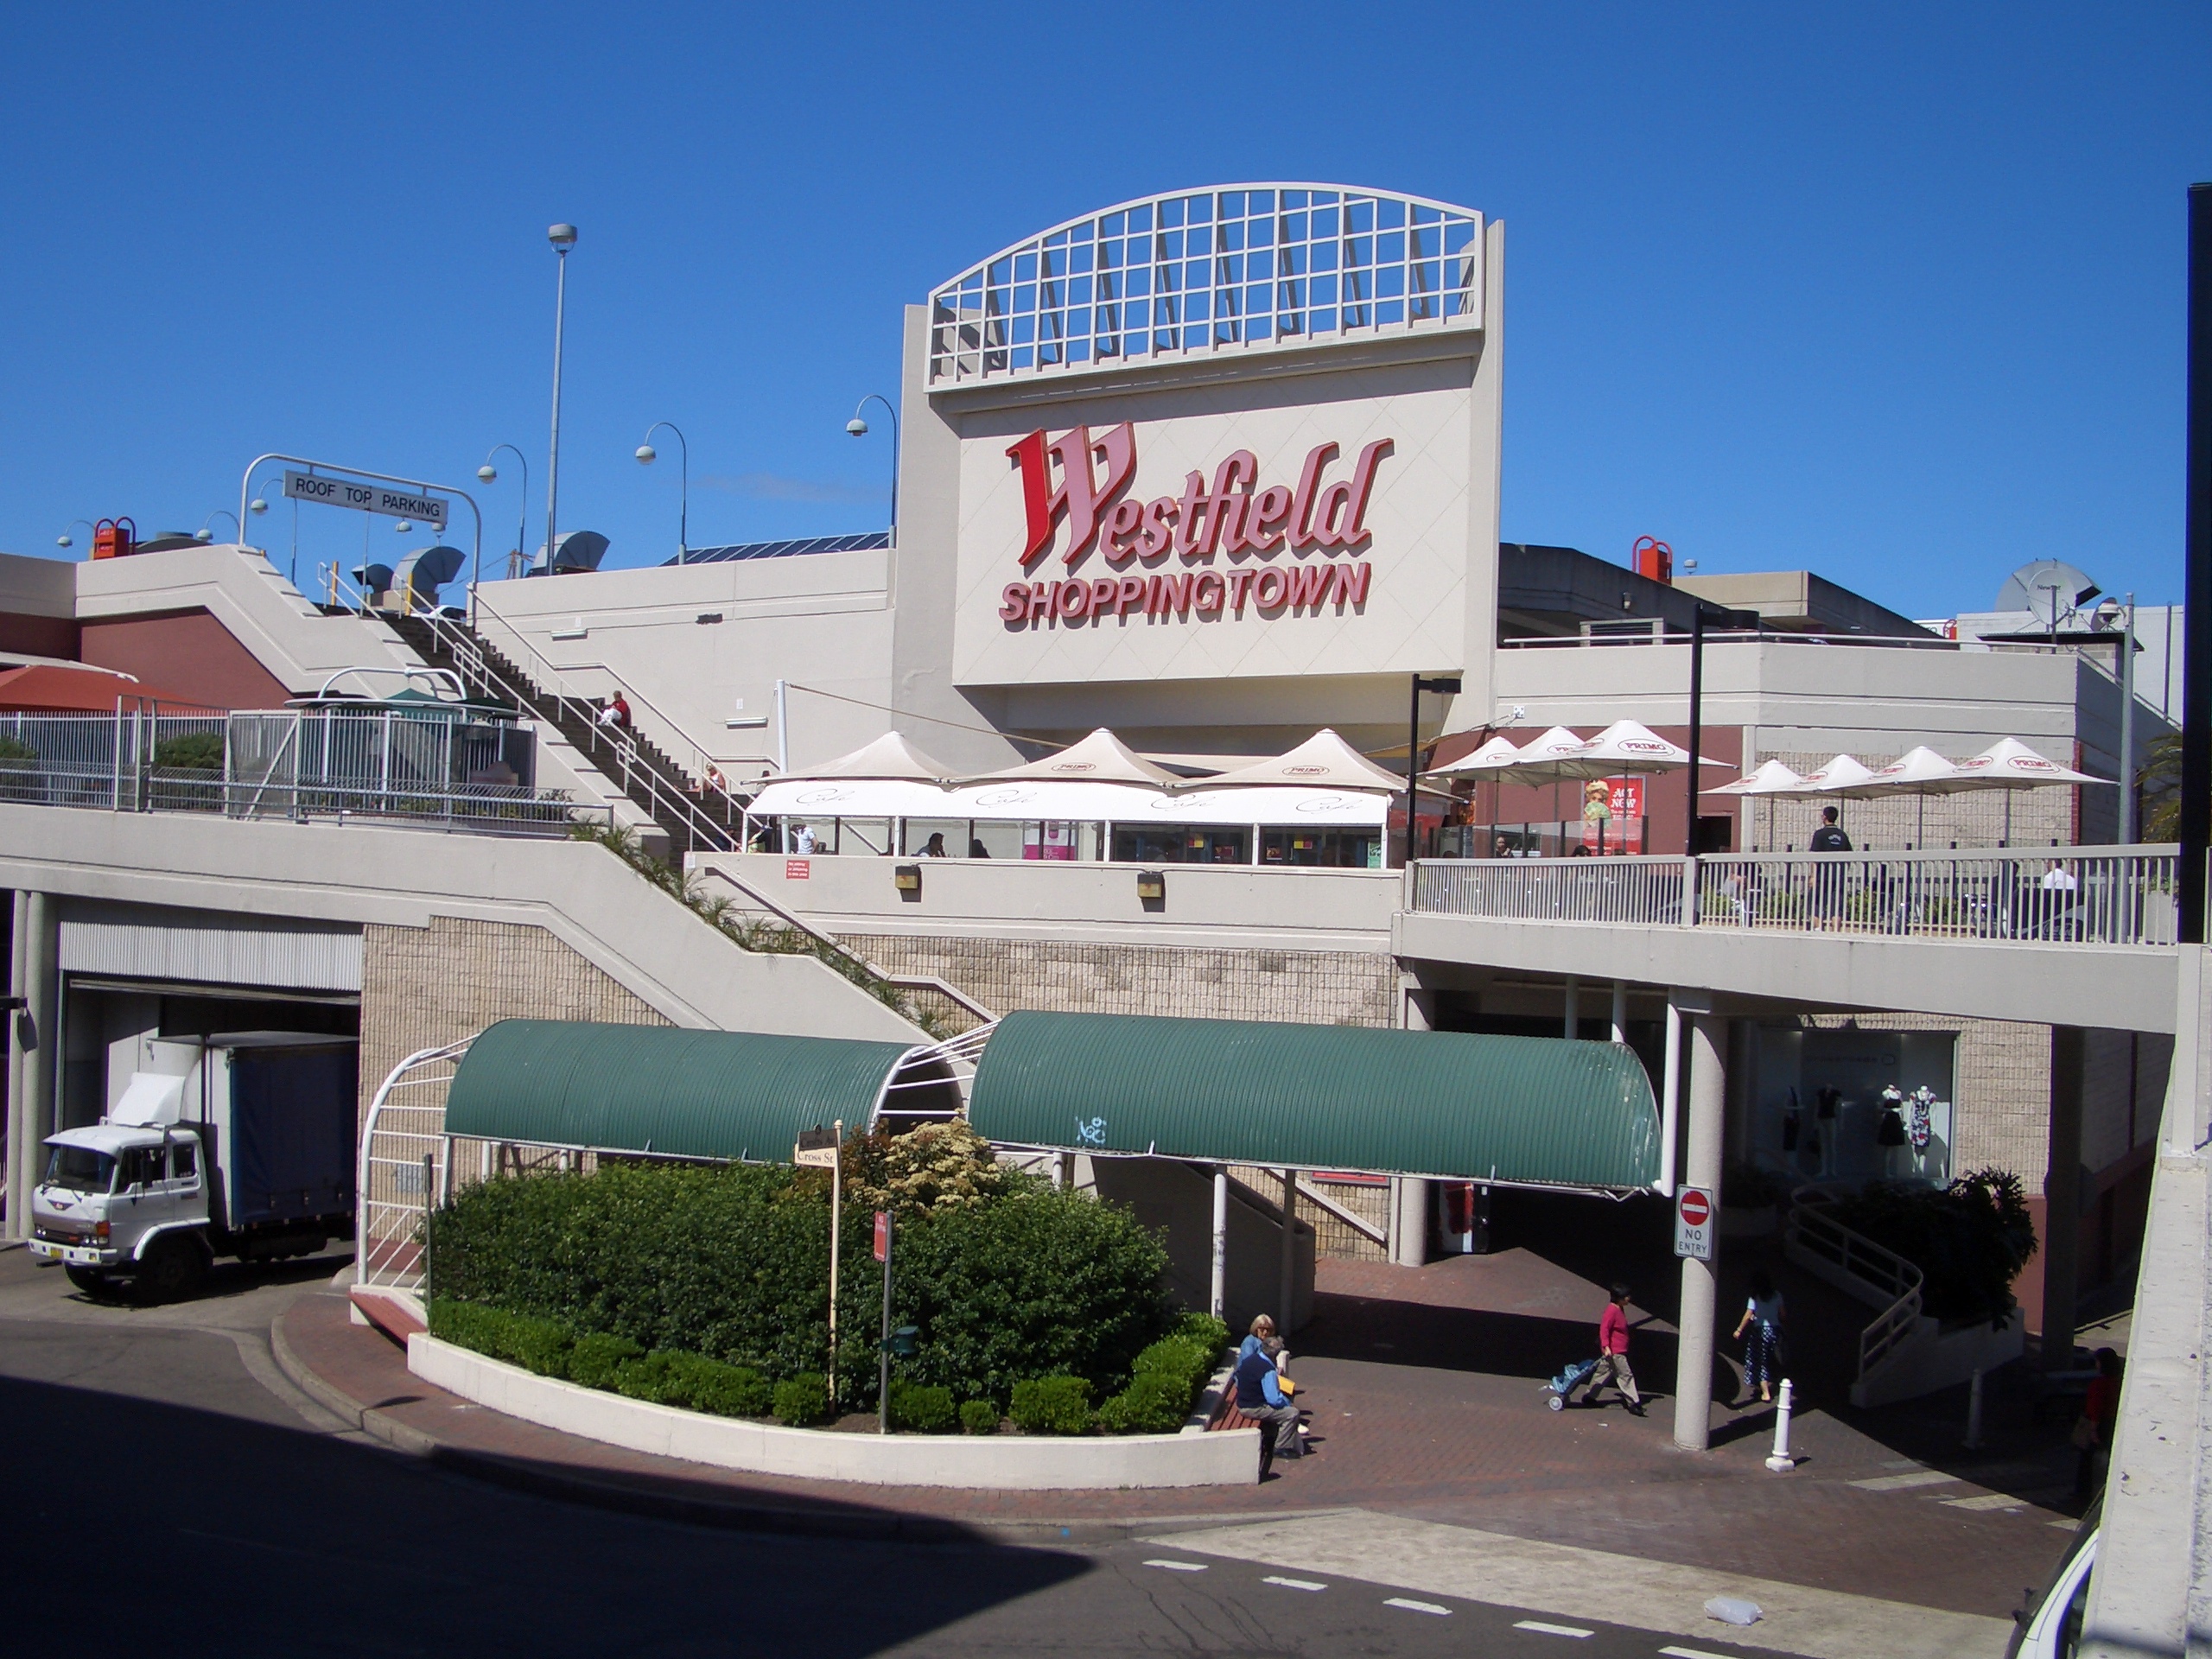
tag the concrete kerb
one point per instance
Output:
(737, 1513)
(991, 1463)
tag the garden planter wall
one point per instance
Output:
(1001, 1462)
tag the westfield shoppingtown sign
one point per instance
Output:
(1160, 556)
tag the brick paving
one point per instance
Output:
(1424, 1386)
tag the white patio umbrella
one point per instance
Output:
(1499, 755)
(889, 756)
(1919, 772)
(1842, 772)
(2011, 764)
(1323, 760)
(1100, 758)
(1771, 780)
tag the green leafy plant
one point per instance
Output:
(1204, 1328)
(978, 1417)
(934, 1167)
(595, 1361)
(539, 1345)
(194, 751)
(803, 1401)
(14, 750)
(1969, 1240)
(1051, 1405)
(1155, 1402)
(918, 1409)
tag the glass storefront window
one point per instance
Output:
(1343, 849)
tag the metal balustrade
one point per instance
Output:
(298, 765)
(2085, 895)
(1875, 1270)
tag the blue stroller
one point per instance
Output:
(1567, 1381)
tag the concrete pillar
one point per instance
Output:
(1743, 1088)
(32, 1047)
(1573, 1013)
(1217, 1293)
(2061, 1198)
(18, 1032)
(1409, 1202)
(1620, 1011)
(1708, 1088)
(1287, 1279)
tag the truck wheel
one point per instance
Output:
(90, 1280)
(173, 1270)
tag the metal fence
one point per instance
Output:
(431, 769)
(2090, 895)
(1641, 891)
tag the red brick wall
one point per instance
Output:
(187, 654)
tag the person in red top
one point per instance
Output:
(2100, 1415)
(1612, 1354)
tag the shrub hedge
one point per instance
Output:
(1051, 1405)
(803, 1401)
(733, 1264)
(917, 1408)
(1969, 1240)
(979, 1417)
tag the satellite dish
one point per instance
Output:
(2050, 590)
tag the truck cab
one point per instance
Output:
(120, 1200)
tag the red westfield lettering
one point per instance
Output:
(1229, 518)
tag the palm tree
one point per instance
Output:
(2159, 789)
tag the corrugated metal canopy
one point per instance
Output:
(1527, 1110)
(656, 1088)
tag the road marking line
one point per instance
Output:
(1905, 1482)
(1294, 1584)
(1179, 1566)
(1542, 1629)
(1414, 1606)
(1691, 1653)
(1986, 1501)
(2065, 1526)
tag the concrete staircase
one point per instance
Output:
(694, 817)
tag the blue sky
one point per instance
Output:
(1895, 293)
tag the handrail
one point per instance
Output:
(368, 1265)
(905, 982)
(1854, 1253)
(469, 650)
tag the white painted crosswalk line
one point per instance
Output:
(1905, 1482)
(1294, 1584)
(1179, 1566)
(1691, 1653)
(1986, 1501)
(1542, 1629)
(1415, 1606)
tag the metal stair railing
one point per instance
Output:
(618, 752)
(1882, 1270)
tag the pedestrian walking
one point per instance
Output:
(2100, 1416)
(1261, 1396)
(1612, 1355)
(1828, 878)
(1763, 1349)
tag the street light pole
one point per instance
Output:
(2197, 616)
(647, 455)
(1697, 722)
(489, 475)
(562, 236)
(858, 428)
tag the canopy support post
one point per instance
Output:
(1573, 1008)
(1287, 1279)
(1620, 1011)
(1709, 1097)
(1670, 1096)
(1215, 1300)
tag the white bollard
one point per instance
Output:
(1780, 1461)
(1974, 1413)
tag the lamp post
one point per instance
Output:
(489, 474)
(203, 535)
(562, 236)
(858, 428)
(1447, 686)
(66, 540)
(647, 455)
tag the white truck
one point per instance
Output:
(240, 1145)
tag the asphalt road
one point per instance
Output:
(218, 1510)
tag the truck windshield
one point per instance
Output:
(81, 1169)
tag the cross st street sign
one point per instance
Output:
(364, 497)
(817, 1149)
(1694, 1224)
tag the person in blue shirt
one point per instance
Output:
(1261, 1397)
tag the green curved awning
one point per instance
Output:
(1526, 1110)
(672, 1092)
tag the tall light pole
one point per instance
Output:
(562, 236)
(66, 540)
(647, 455)
(489, 475)
(858, 428)
(203, 535)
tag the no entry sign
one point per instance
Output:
(1693, 1224)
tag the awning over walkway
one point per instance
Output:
(1527, 1110)
(676, 1093)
